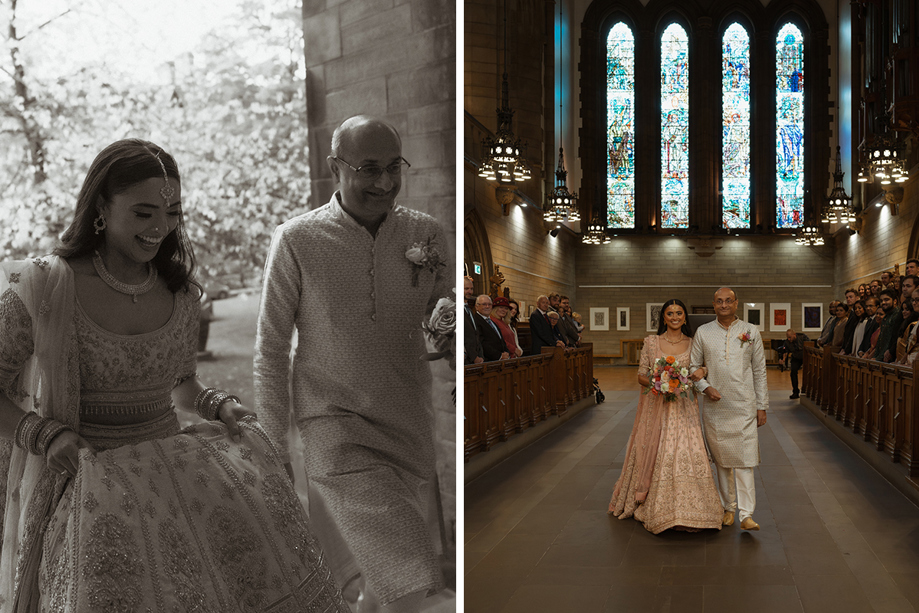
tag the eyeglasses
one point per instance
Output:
(729, 301)
(372, 172)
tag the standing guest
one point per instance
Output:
(472, 345)
(839, 330)
(886, 349)
(897, 281)
(556, 333)
(500, 315)
(493, 346)
(108, 505)
(826, 336)
(735, 405)
(360, 398)
(909, 315)
(876, 289)
(863, 291)
(907, 287)
(886, 279)
(513, 316)
(554, 301)
(566, 324)
(851, 342)
(851, 296)
(851, 299)
(794, 358)
(872, 329)
(541, 331)
(577, 321)
(912, 267)
(911, 339)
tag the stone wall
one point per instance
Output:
(395, 59)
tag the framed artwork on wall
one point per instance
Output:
(653, 313)
(754, 313)
(523, 307)
(529, 310)
(622, 318)
(779, 316)
(812, 316)
(599, 318)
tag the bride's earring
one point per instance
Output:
(99, 223)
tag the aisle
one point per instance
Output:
(835, 535)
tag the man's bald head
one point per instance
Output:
(354, 129)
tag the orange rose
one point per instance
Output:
(674, 383)
(670, 359)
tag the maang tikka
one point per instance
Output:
(167, 191)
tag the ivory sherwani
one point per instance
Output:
(361, 394)
(738, 371)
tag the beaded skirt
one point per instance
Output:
(189, 521)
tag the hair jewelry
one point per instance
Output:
(167, 191)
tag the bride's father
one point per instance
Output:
(735, 405)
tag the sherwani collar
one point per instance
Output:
(345, 218)
(736, 319)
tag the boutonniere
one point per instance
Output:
(745, 338)
(424, 256)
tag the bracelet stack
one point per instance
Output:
(209, 400)
(35, 433)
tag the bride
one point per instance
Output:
(107, 505)
(666, 480)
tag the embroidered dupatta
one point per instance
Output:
(48, 383)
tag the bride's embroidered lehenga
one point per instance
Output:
(160, 519)
(666, 479)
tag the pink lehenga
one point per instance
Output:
(666, 480)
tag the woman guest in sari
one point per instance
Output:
(666, 480)
(108, 505)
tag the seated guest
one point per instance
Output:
(859, 317)
(541, 333)
(553, 321)
(912, 267)
(839, 329)
(493, 345)
(886, 349)
(577, 321)
(566, 325)
(500, 315)
(826, 336)
(793, 348)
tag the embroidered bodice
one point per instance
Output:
(651, 351)
(135, 374)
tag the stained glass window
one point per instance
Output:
(789, 76)
(735, 135)
(620, 140)
(674, 127)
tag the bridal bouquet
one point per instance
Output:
(440, 332)
(669, 379)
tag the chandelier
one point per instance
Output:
(596, 233)
(561, 205)
(884, 160)
(505, 160)
(809, 236)
(838, 207)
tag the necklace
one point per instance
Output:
(124, 288)
(676, 342)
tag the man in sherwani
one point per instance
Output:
(372, 271)
(735, 405)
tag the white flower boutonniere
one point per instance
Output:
(424, 256)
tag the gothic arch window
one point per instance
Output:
(620, 127)
(754, 103)
(674, 73)
(789, 127)
(735, 136)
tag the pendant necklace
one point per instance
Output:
(676, 342)
(124, 288)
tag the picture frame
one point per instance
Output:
(653, 313)
(623, 318)
(812, 317)
(529, 310)
(599, 319)
(754, 313)
(522, 307)
(779, 316)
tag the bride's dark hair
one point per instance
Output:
(662, 325)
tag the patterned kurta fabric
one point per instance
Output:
(361, 394)
(667, 460)
(738, 371)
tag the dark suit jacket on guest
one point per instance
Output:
(541, 334)
(472, 345)
(568, 330)
(493, 344)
